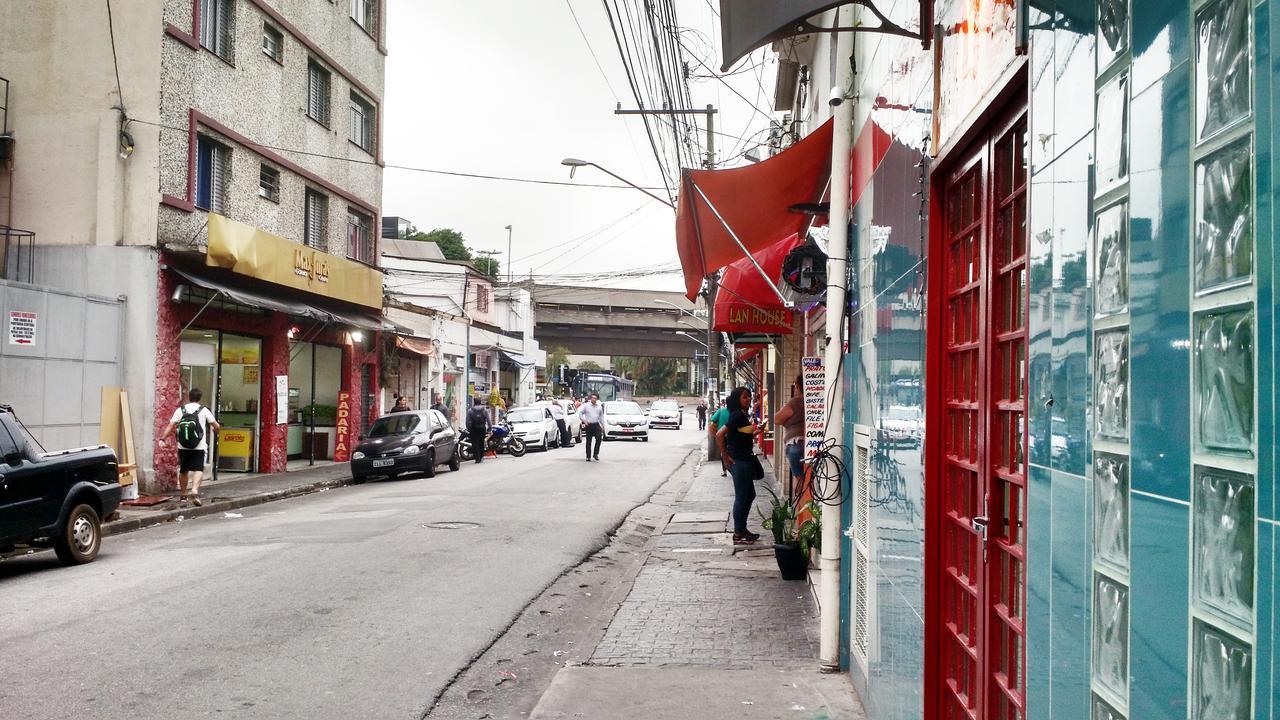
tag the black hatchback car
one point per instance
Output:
(405, 442)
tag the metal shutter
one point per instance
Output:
(220, 174)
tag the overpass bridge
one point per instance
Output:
(616, 321)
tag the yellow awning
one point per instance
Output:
(247, 250)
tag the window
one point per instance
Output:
(365, 13)
(362, 123)
(213, 161)
(216, 21)
(317, 220)
(269, 183)
(359, 236)
(318, 93)
(272, 43)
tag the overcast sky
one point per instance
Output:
(509, 87)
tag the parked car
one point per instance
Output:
(901, 426)
(625, 419)
(571, 418)
(405, 442)
(54, 499)
(535, 425)
(666, 413)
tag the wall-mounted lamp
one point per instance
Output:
(177, 293)
(293, 332)
(357, 336)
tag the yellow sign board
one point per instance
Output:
(246, 250)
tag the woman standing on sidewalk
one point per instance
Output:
(734, 439)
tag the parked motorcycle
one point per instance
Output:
(500, 440)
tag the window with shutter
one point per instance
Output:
(359, 236)
(365, 13)
(213, 162)
(216, 26)
(318, 93)
(316, 212)
(272, 43)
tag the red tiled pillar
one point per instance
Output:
(273, 437)
(164, 452)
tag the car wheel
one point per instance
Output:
(80, 538)
(430, 470)
(454, 464)
(644, 439)
(359, 479)
(579, 433)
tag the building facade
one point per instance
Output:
(217, 163)
(1059, 392)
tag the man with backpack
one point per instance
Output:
(478, 428)
(190, 426)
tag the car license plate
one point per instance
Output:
(384, 463)
(627, 430)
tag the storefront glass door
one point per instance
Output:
(226, 368)
(315, 378)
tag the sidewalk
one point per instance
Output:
(707, 631)
(226, 495)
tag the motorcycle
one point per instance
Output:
(500, 440)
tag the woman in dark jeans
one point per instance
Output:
(734, 440)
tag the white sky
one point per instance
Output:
(508, 87)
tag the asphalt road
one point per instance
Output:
(343, 604)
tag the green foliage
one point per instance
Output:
(590, 366)
(488, 266)
(450, 241)
(325, 414)
(653, 376)
(781, 521)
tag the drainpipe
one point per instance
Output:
(837, 269)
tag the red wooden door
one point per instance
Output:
(977, 645)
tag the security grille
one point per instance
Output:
(861, 614)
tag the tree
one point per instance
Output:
(487, 265)
(450, 241)
(590, 366)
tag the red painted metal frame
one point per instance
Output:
(980, 138)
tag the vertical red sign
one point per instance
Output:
(342, 448)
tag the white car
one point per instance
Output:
(535, 426)
(571, 418)
(624, 419)
(666, 413)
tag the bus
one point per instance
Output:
(606, 385)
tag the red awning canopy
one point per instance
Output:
(752, 200)
(745, 303)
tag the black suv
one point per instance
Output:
(54, 498)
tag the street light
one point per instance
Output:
(677, 307)
(691, 337)
(573, 164)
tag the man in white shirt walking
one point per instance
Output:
(592, 414)
(190, 426)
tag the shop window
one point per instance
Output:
(1111, 391)
(1111, 634)
(1223, 65)
(1112, 132)
(269, 183)
(273, 43)
(213, 161)
(1223, 543)
(318, 81)
(359, 236)
(1113, 31)
(1111, 292)
(1111, 509)
(217, 24)
(316, 220)
(362, 122)
(1222, 675)
(1224, 380)
(1224, 217)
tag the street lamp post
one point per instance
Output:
(691, 337)
(508, 229)
(573, 164)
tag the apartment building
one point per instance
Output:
(217, 163)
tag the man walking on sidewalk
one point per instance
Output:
(702, 415)
(592, 414)
(478, 425)
(191, 425)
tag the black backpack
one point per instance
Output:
(477, 416)
(190, 432)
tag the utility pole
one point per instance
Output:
(508, 229)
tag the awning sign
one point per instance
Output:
(22, 328)
(815, 405)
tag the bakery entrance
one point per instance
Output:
(315, 379)
(226, 367)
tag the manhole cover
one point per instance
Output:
(451, 525)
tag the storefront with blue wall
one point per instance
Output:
(1061, 373)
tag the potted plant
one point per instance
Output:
(792, 541)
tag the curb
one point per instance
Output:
(209, 508)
